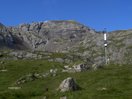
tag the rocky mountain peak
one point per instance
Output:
(52, 35)
(55, 24)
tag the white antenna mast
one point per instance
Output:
(105, 46)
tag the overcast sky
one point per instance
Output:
(97, 14)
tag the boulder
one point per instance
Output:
(68, 84)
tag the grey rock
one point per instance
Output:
(45, 75)
(14, 88)
(28, 78)
(76, 68)
(59, 60)
(68, 84)
(25, 55)
(53, 72)
(51, 60)
(67, 61)
(81, 67)
(64, 97)
(2, 62)
(6, 38)
(44, 97)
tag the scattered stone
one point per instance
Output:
(66, 67)
(45, 75)
(59, 60)
(53, 72)
(102, 89)
(14, 88)
(67, 61)
(34, 76)
(25, 55)
(37, 75)
(64, 97)
(27, 78)
(50, 60)
(68, 84)
(80, 67)
(44, 97)
(94, 67)
(53, 75)
(69, 70)
(3, 70)
(2, 62)
(76, 68)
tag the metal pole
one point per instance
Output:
(106, 62)
(105, 46)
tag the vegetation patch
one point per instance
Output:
(110, 82)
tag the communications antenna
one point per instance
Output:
(105, 46)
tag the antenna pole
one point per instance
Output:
(105, 46)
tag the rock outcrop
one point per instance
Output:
(76, 68)
(81, 67)
(8, 40)
(68, 84)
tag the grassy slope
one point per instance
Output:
(116, 79)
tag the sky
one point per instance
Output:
(97, 14)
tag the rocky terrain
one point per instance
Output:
(68, 37)
(42, 79)
(64, 60)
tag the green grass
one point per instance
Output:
(117, 79)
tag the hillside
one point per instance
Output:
(110, 82)
(35, 58)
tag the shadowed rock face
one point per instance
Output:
(8, 40)
(65, 36)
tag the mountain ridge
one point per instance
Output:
(68, 36)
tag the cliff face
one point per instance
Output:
(68, 36)
(9, 40)
(6, 39)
